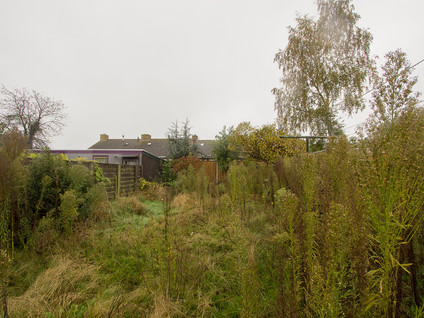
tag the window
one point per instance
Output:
(130, 161)
(101, 159)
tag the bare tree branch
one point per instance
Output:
(38, 117)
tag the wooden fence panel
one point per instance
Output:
(212, 170)
(110, 171)
(129, 179)
(124, 179)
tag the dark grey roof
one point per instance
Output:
(205, 148)
(157, 147)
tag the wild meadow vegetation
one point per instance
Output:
(336, 233)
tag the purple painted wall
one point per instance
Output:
(113, 156)
(138, 157)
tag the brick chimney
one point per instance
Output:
(104, 137)
(146, 137)
(194, 138)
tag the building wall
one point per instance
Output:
(151, 167)
(105, 156)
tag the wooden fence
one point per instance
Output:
(124, 179)
(212, 170)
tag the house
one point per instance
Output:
(156, 147)
(113, 156)
(151, 165)
(159, 148)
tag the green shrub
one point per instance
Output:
(68, 211)
(54, 173)
(13, 178)
(96, 203)
(52, 188)
(45, 235)
(238, 181)
(167, 175)
(222, 149)
(81, 179)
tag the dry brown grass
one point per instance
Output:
(130, 205)
(102, 211)
(115, 302)
(154, 191)
(184, 200)
(65, 283)
(165, 308)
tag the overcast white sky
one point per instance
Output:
(135, 66)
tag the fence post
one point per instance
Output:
(216, 172)
(135, 178)
(118, 181)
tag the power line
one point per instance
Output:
(354, 125)
(416, 64)
(371, 90)
(408, 68)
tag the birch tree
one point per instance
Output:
(325, 67)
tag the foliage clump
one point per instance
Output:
(44, 196)
(224, 150)
(264, 143)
